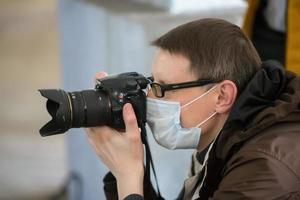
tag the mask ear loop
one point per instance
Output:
(201, 123)
(202, 95)
(208, 91)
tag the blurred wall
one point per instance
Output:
(31, 167)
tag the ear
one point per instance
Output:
(227, 93)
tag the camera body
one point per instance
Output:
(121, 89)
(100, 106)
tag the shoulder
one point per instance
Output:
(279, 144)
(266, 167)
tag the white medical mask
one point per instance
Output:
(163, 118)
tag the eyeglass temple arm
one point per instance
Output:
(185, 85)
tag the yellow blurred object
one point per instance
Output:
(293, 37)
(292, 61)
(250, 16)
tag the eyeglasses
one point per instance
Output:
(160, 89)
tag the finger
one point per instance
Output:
(99, 75)
(130, 119)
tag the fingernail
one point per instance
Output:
(101, 74)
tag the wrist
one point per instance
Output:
(130, 183)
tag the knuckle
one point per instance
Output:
(131, 120)
(135, 137)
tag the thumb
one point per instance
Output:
(99, 75)
(130, 119)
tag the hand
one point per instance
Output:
(121, 152)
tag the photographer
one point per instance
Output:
(212, 93)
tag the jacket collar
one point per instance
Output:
(270, 96)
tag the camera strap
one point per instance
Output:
(149, 162)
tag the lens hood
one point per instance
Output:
(60, 108)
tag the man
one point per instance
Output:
(212, 93)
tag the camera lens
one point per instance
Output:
(85, 108)
(90, 108)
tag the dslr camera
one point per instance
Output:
(100, 106)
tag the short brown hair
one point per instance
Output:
(218, 50)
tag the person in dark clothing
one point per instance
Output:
(240, 114)
(273, 28)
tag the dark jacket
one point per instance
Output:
(257, 153)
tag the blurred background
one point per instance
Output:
(62, 44)
(31, 167)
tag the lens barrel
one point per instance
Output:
(90, 108)
(85, 108)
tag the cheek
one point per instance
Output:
(172, 96)
(190, 118)
(195, 113)
(150, 94)
(184, 120)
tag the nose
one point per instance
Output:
(149, 92)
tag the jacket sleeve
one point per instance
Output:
(258, 175)
(110, 187)
(111, 190)
(134, 197)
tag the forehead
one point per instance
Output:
(171, 68)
